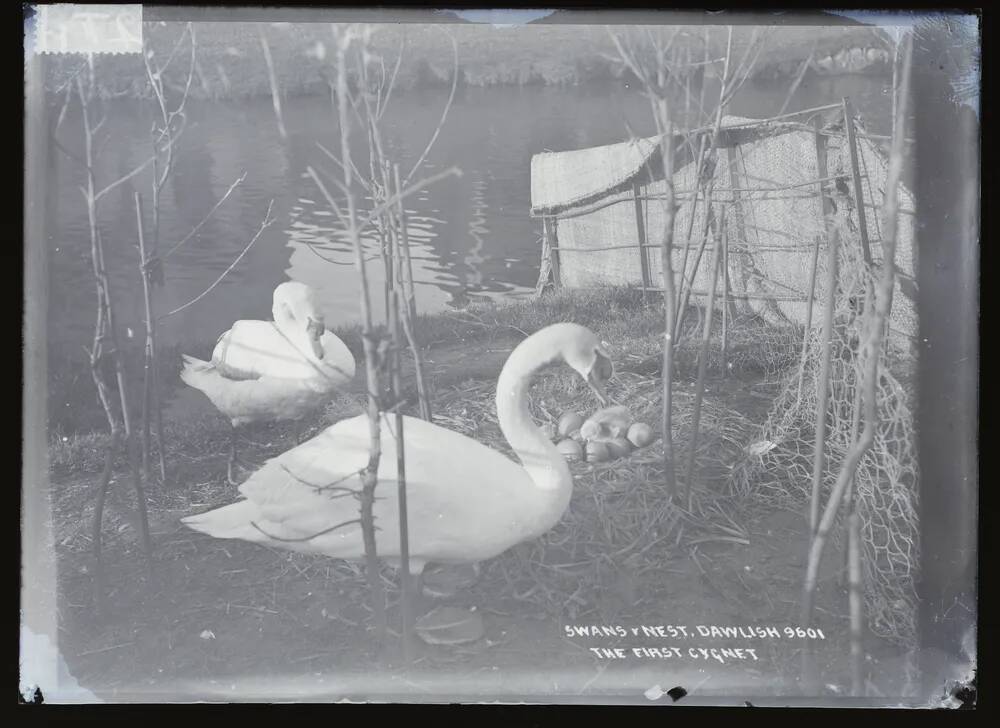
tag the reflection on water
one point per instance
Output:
(471, 237)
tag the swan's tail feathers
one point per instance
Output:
(194, 370)
(232, 521)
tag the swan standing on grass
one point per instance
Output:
(273, 370)
(466, 501)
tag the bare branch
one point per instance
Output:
(76, 158)
(190, 78)
(395, 73)
(173, 51)
(444, 115)
(312, 249)
(426, 182)
(795, 84)
(335, 485)
(64, 109)
(207, 217)
(268, 220)
(325, 531)
(121, 180)
(333, 157)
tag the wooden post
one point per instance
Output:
(859, 199)
(553, 237)
(150, 345)
(811, 292)
(545, 264)
(734, 182)
(823, 384)
(640, 227)
(706, 340)
(821, 172)
(725, 302)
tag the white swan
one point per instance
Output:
(273, 370)
(466, 501)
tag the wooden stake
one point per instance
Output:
(823, 384)
(640, 228)
(150, 347)
(553, 238)
(405, 585)
(725, 304)
(859, 198)
(703, 357)
(409, 315)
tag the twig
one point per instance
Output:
(444, 115)
(795, 84)
(121, 180)
(416, 187)
(306, 538)
(105, 649)
(703, 357)
(196, 228)
(823, 386)
(268, 220)
(334, 485)
(273, 78)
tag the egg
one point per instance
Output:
(549, 430)
(597, 452)
(569, 422)
(570, 449)
(619, 447)
(640, 434)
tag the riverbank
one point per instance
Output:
(622, 554)
(229, 62)
(457, 347)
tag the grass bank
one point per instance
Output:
(459, 348)
(620, 554)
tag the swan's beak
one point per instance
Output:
(598, 386)
(316, 330)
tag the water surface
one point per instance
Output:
(471, 237)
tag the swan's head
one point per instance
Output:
(297, 311)
(581, 349)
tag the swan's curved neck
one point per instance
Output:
(539, 457)
(294, 331)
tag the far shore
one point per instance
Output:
(229, 62)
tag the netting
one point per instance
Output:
(766, 178)
(779, 471)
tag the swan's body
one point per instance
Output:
(257, 373)
(466, 502)
(273, 370)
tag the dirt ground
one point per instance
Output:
(227, 620)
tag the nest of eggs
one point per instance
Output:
(607, 553)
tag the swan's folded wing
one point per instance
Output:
(312, 487)
(252, 349)
(223, 359)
